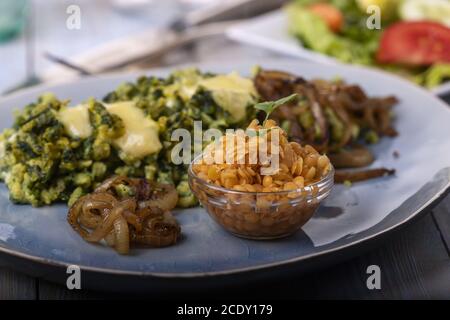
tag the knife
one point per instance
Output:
(154, 42)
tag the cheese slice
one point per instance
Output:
(76, 121)
(231, 92)
(141, 136)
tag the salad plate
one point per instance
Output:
(270, 31)
(39, 241)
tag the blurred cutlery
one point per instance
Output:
(155, 42)
(185, 38)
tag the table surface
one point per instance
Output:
(414, 261)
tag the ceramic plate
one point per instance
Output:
(39, 240)
(270, 31)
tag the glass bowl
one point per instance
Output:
(261, 215)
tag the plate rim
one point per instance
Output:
(190, 275)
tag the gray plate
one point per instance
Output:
(40, 241)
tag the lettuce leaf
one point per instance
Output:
(313, 32)
(434, 75)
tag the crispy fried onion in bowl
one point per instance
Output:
(123, 211)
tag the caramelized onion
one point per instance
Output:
(352, 158)
(163, 196)
(122, 243)
(330, 105)
(355, 176)
(141, 217)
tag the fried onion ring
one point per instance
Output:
(142, 217)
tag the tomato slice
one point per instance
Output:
(330, 14)
(415, 43)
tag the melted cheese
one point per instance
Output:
(141, 136)
(231, 92)
(76, 121)
(141, 133)
(186, 84)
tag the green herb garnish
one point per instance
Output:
(269, 106)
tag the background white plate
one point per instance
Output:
(270, 31)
